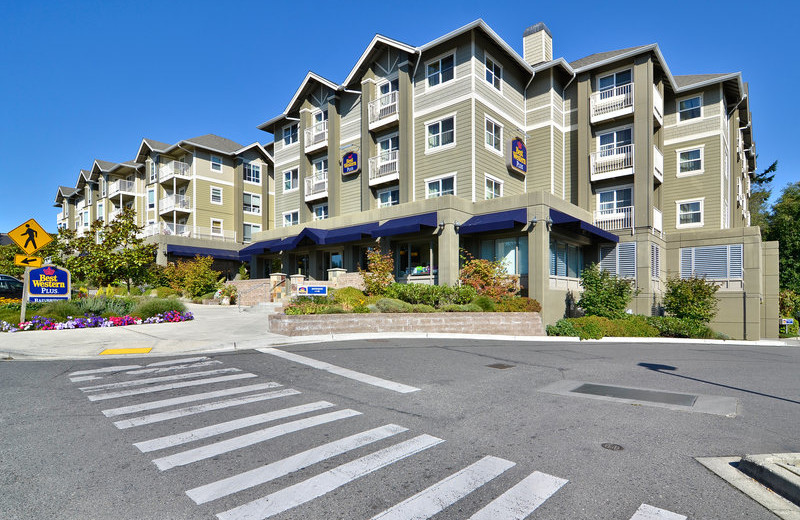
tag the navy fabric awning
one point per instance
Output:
(350, 234)
(559, 217)
(220, 254)
(401, 226)
(494, 221)
(258, 248)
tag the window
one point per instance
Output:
(415, 259)
(216, 195)
(712, 262)
(612, 143)
(512, 252)
(152, 168)
(100, 212)
(321, 167)
(690, 108)
(690, 213)
(494, 187)
(494, 73)
(88, 195)
(387, 87)
(291, 218)
(655, 262)
(291, 180)
(86, 218)
(290, 134)
(320, 211)
(439, 187)
(151, 199)
(216, 227)
(613, 201)
(619, 260)
(102, 187)
(690, 162)
(441, 133)
(252, 173)
(248, 230)
(441, 70)
(216, 163)
(612, 81)
(566, 260)
(388, 197)
(252, 203)
(494, 136)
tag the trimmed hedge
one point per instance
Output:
(596, 327)
(393, 305)
(150, 308)
(433, 295)
(519, 304)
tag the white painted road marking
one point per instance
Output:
(522, 499)
(344, 372)
(105, 369)
(163, 403)
(171, 386)
(242, 441)
(160, 379)
(84, 378)
(646, 512)
(228, 426)
(326, 482)
(175, 361)
(278, 469)
(200, 408)
(159, 370)
(447, 492)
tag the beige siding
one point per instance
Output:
(489, 161)
(539, 160)
(428, 98)
(350, 108)
(456, 159)
(708, 184)
(351, 191)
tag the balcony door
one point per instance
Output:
(616, 142)
(608, 84)
(613, 201)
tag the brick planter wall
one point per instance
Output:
(501, 323)
(251, 292)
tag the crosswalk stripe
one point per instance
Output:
(163, 403)
(200, 408)
(344, 372)
(646, 512)
(159, 370)
(447, 492)
(78, 379)
(326, 482)
(170, 386)
(522, 499)
(177, 439)
(278, 469)
(104, 370)
(242, 441)
(160, 379)
(175, 361)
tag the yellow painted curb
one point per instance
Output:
(109, 351)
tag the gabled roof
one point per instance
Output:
(381, 40)
(103, 166)
(64, 192)
(310, 76)
(699, 80)
(212, 142)
(261, 149)
(599, 57)
(153, 145)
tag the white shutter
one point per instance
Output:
(626, 260)
(655, 262)
(735, 267)
(553, 259)
(561, 260)
(608, 259)
(711, 262)
(687, 261)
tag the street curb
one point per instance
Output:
(771, 471)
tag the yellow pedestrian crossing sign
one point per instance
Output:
(30, 237)
(28, 261)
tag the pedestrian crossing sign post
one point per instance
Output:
(28, 261)
(30, 236)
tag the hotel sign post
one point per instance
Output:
(44, 283)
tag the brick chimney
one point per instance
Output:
(537, 44)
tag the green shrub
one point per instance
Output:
(60, 310)
(208, 296)
(433, 295)
(691, 298)
(596, 327)
(672, 327)
(421, 307)
(392, 305)
(164, 292)
(101, 305)
(563, 327)
(485, 303)
(378, 275)
(604, 294)
(348, 297)
(332, 309)
(135, 291)
(360, 309)
(519, 304)
(454, 307)
(487, 277)
(149, 308)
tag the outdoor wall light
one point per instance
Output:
(457, 225)
(441, 224)
(547, 222)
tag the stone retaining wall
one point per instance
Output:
(251, 292)
(501, 323)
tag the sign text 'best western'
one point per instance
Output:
(48, 283)
(517, 156)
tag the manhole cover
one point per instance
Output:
(612, 447)
(500, 366)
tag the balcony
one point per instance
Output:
(174, 203)
(121, 187)
(383, 168)
(114, 214)
(174, 169)
(213, 234)
(658, 106)
(614, 219)
(316, 137)
(611, 103)
(658, 223)
(658, 165)
(317, 186)
(612, 162)
(383, 111)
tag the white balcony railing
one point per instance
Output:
(609, 103)
(658, 105)
(213, 234)
(317, 186)
(612, 162)
(121, 186)
(174, 202)
(383, 107)
(173, 169)
(613, 219)
(60, 216)
(658, 164)
(658, 222)
(384, 167)
(317, 134)
(114, 214)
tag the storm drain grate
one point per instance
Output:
(636, 394)
(500, 366)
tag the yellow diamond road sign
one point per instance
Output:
(28, 261)
(30, 237)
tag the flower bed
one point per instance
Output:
(93, 321)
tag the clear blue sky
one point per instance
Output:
(83, 80)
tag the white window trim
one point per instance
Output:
(387, 79)
(297, 141)
(260, 172)
(486, 56)
(387, 190)
(678, 109)
(493, 179)
(211, 195)
(678, 203)
(285, 213)
(486, 118)
(428, 149)
(314, 211)
(221, 227)
(439, 58)
(212, 163)
(283, 180)
(613, 131)
(702, 161)
(260, 199)
(155, 199)
(611, 73)
(438, 178)
(254, 228)
(613, 188)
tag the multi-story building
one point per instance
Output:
(548, 165)
(207, 195)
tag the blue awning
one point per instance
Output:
(559, 217)
(350, 234)
(494, 221)
(219, 254)
(401, 226)
(259, 248)
(316, 236)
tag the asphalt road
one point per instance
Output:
(488, 429)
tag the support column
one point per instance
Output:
(584, 140)
(334, 157)
(539, 255)
(405, 133)
(448, 251)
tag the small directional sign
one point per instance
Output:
(30, 236)
(28, 261)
